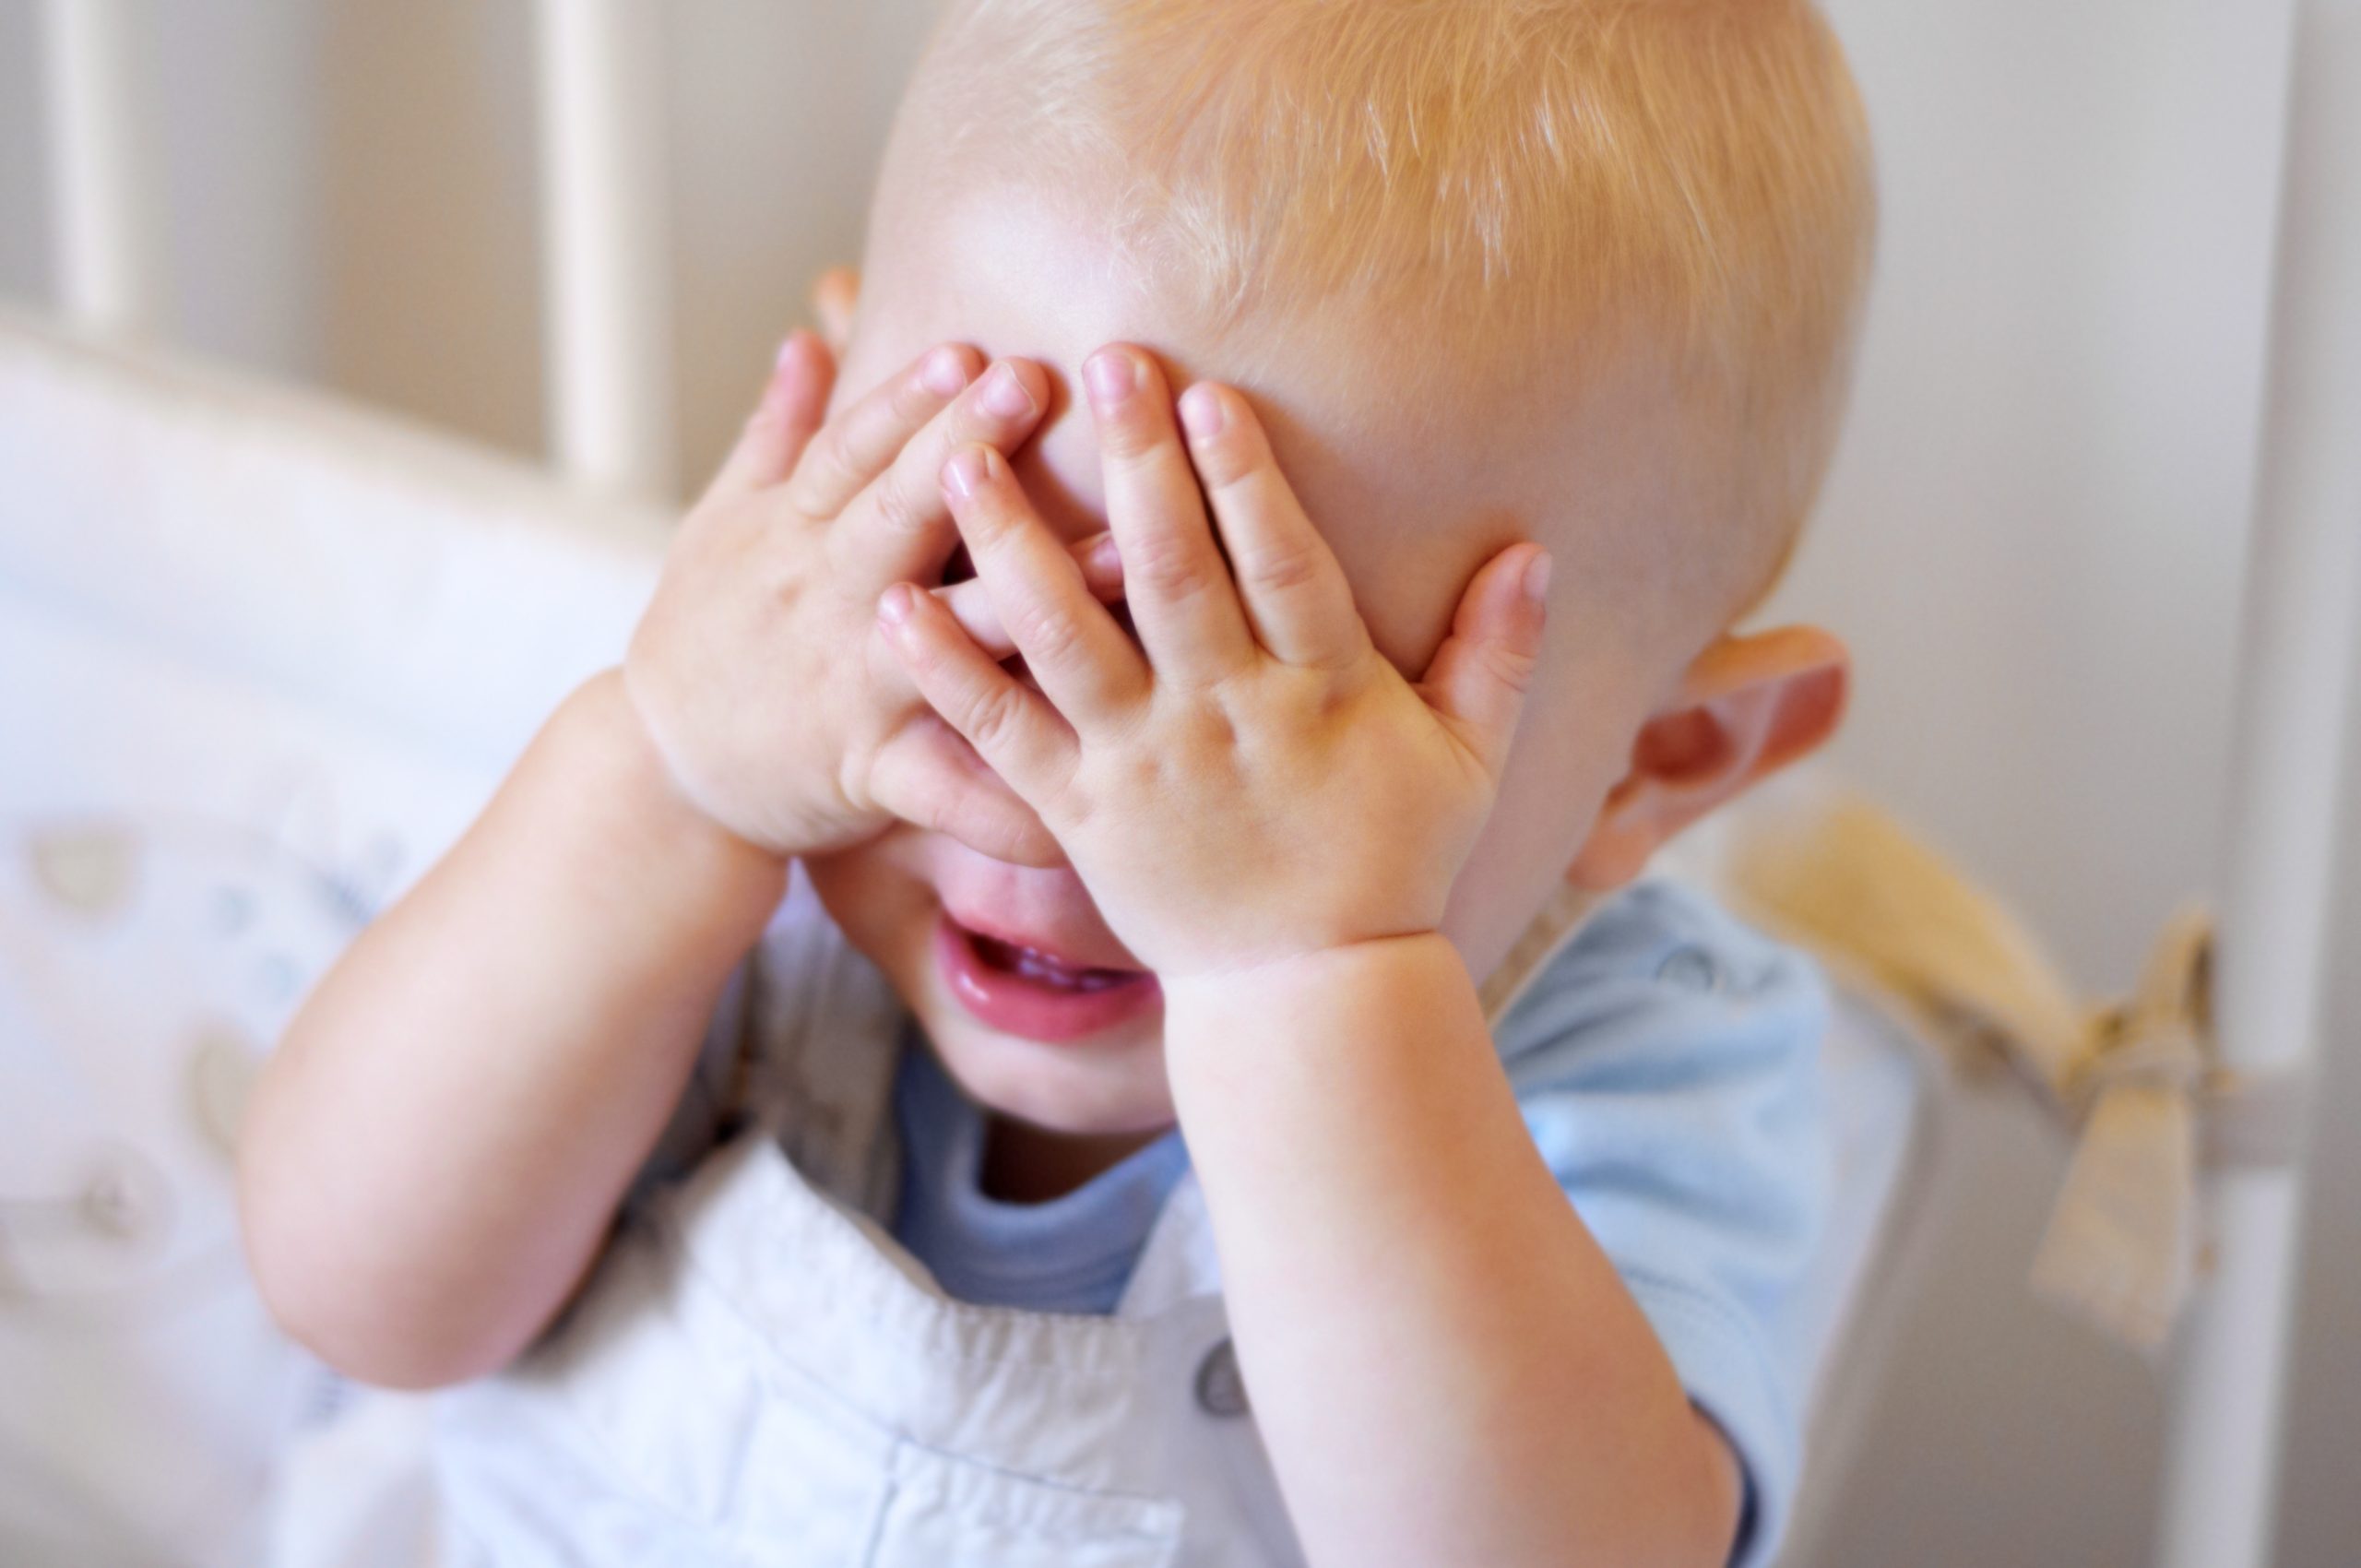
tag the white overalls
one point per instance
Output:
(757, 1373)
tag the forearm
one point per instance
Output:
(432, 1156)
(1443, 1364)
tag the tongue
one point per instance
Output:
(1035, 965)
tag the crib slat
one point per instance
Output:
(605, 240)
(2304, 584)
(104, 215)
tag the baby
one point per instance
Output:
(1163, 714)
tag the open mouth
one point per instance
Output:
(1035, 993)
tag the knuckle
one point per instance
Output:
(1234, 453)
(1143, 424)
(827, 465)
(1136, 437)
(840, 450)
(1511, 667)
(1171, 565)
(1211, 730)
(1228, 460)
(1046, 632)
(929, 669)
(998, 405)
(908, 407)
(992, 519)
(912, 400)
(898, 512)
(1137, 774)
(995, 719)
(1286, 564)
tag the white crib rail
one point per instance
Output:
(2303, 588)
(605, 238)
(605, 260)
(103, 224)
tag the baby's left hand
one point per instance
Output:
(1251, 781)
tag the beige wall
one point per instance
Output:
(2033, 538)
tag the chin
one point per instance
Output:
(1109, 1086)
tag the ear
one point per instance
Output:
(1747, 708)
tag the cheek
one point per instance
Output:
(1558, 774)
(879, 900)
(1510, 874)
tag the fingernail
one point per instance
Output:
(967, 471)
(1104, 559)
(894, 606)
(1201, 412)
(1111, 377)
(944, 373)
(1005, 395)
(1537, 576)
(787, 349)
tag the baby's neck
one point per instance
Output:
(1024, 1164)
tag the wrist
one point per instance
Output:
(642, 814)
(1419, 960)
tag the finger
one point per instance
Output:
(1296, 596)
(1071, 645)
(856, 446)
(1013, 727)
(834, 294)
(1476, 681)
(928, 774)
(901, 530)
(1181, 598)
(970, 602)
(794, 401)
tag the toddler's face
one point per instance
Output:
(1033, 1004)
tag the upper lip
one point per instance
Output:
(1045, 908)
(1039, 907)
(1082, 955)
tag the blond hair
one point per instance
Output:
(1518, 171)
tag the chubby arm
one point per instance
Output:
(1445, 1367)
(434, 1153)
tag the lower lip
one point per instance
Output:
(1034, 1009)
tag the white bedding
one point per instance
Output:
(259, 660)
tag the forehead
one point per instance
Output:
(1414, 478)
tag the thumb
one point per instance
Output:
(1477, 682)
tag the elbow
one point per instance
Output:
(363, 1334)
(356, 1313)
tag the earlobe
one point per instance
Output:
(1747, 708)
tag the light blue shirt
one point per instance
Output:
(1667, 1063)
(1073, 1254)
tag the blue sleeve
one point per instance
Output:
(1668, 1065)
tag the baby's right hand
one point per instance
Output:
(758, 670)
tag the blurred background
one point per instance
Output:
(2032, 537)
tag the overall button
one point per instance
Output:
(1691, 969)
(1221, 1391)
